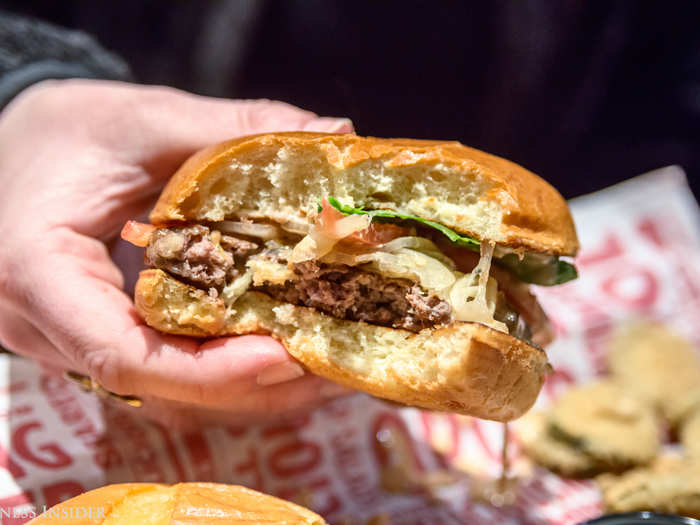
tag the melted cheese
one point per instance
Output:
(473, 297)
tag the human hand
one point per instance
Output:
(77, 159)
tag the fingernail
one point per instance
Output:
(344, 125)
(330, 389)
(331, 125)
(279, 373)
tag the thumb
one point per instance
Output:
(175, 124)
(330, 125)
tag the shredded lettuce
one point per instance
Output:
(544, 271)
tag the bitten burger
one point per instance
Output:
(399, 267)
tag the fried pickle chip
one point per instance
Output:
(657, 364)
(606, 422)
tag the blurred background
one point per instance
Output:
(585, 94)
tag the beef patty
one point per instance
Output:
(198, 255)
(207, 259)
(349, 293)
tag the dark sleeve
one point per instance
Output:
(32, 50)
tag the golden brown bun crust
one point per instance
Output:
(182, 504)
(466, 368)
(282, 175)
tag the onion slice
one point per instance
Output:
(432, 274)
(483, 268)
(237, 287)
(300, 228)
(473, 296)
(262, 231)
(420, 244)
(346, 226)
(330, 227)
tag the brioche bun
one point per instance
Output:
(280, 176)
(462, 367)
(466, 368)
(184, 503)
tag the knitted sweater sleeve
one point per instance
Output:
(32, 50)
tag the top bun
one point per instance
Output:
(184, 503)
(281, 176)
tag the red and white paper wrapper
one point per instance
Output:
(640, 258)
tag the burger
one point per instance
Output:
(398, 267)
(183, 503)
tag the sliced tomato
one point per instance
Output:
(137, 233)
(465, 260)
(378, 233)
(329, 224)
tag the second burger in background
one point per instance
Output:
(399, 267)
(181, 504)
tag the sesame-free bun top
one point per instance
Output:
(181, 504)
(281, 176)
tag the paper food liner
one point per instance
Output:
(358, 459)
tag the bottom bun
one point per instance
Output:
(184, 504)
(466, 368)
